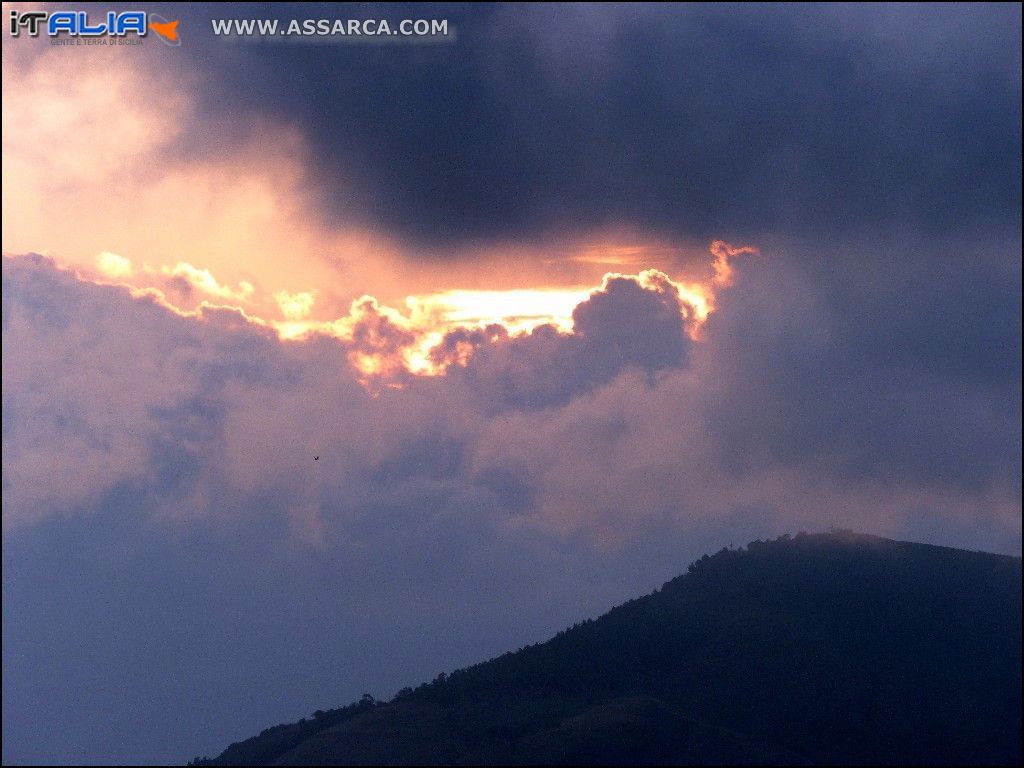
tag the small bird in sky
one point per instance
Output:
(316, 458)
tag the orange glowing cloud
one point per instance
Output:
(114, 265)
(295, 306)
(387, 342)
(77, 183)
(236, 229)
(518, 309)
(723, 253)
(204, 281)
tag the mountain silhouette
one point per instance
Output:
(815, 649)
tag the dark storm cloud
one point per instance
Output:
(916, 380)
(705, 121)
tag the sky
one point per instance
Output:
(561, 300)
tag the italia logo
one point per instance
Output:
(80, 24)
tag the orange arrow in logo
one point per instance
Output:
(167, 29)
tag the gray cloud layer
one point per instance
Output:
(179, 570)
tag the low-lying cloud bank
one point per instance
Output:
(624, 417)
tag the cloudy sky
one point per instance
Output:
(561, 301)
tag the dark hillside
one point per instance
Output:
(835, 648)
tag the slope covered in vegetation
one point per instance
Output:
(832, 648)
